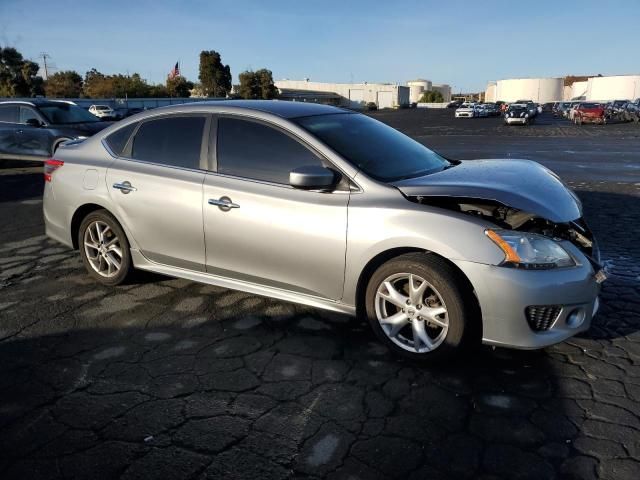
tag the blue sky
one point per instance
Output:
(463, 43)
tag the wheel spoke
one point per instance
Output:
(113, 260)
(397, 322)
(111, 242)
(393, 296)
(416, 293)
(433, 315)
(115, 249)
(420, 336)
(99, 232)
(91, 245)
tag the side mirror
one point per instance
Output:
(313, 177)
(34, 122)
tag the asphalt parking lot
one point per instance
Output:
(165, 378)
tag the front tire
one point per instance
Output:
(419, 306)
(104, 248)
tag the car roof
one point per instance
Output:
(38, 102)
(280, 108)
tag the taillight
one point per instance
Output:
(51, 166)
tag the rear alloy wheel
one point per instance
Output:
(104, 248)
(419, 307)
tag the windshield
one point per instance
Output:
(102, 107)
(375, 148)
(66, 113)
(589, 105)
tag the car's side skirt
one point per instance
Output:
(142, 263)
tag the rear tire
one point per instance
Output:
(400, 314)
(104, 248)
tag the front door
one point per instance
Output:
(158, 190)
(265, 231)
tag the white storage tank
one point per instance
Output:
(444, 89)
(618, 87)
(417, 89)
(540, 90)
(490, 93)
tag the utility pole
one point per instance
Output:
(44, 56)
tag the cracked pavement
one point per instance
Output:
(165, 378)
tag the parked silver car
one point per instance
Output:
(330, 208)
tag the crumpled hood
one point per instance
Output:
(521, 184)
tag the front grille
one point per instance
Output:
(541, 317)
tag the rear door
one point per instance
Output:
(156, 185)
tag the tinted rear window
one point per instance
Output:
(174, 141)
(8, 113)
(118, 139)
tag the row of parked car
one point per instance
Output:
(521, 112)
(580, 112)
(105, 112)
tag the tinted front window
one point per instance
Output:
(65, 113)
(8, 113)
(118, 139)
(174, 141)
(377, 149)
(253, 150)
(27, 113)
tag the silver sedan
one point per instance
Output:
(330, 208)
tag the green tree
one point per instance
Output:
(67, 84)
(179, 87)
(432, 96)
(248, 87)
(215, 77)
(257, 85)
(18, 77)
(265, 82)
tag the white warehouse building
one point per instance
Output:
(539, 90)
(352, 95)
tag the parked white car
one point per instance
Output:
(102, 111)
(466, 110)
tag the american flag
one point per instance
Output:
(175, 71)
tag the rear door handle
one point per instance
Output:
(223, 203)
(124, 187)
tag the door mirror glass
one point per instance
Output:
(313, 177)
(33, 122)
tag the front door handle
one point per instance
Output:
(223, 203)
(124, 187)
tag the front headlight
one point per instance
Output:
(530, 250)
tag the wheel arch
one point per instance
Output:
(374, 263)
(80, 213)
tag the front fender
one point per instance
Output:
(403, 224)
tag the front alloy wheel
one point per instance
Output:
(411, 312)
(421, 306)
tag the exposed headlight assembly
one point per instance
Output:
(530, 250)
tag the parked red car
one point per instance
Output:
(589, 113)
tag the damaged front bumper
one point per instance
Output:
(507, 295)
